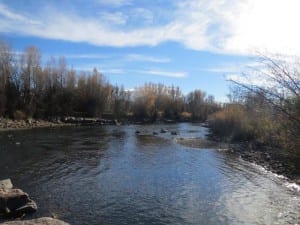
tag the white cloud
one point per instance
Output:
(265, 24)
(116, 3)
(87, 56)
(249, 72)
(163, 73)
(121, 58)
(264, 71)
(256, 79)
(235, 67)
(16, 17)
(116, 18)
(112, 71)
(144, 15)
(227, 26)
(146, 58)
(107, 70)
(225, 68)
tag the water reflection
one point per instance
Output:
(111, 175)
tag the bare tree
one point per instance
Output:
(281, 88)
(6, 71)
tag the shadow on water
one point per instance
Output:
(111, 175)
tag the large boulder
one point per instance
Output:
(40, 221)
(14, 202)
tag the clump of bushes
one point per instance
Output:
(232, 123)
(20, 115)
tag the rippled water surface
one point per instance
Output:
(110, 175)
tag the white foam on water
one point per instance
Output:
(292, 186)
(279, 176)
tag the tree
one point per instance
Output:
(274, 103)
(196, 104)
(30, 67)
(7, 88)
(281, 88)
(120, 101)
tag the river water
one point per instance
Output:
(112, 176)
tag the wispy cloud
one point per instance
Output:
(9, 14)
(162, 73)
(116, 3)
(122, 57)
(235, 67)
(107, 70)
(146, 58)
(88, 56)
(113, 71)
(225, 68)
(229, 26)
(115, 18)
(250, 79)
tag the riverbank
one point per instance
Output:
(9, 124)
(272, 159)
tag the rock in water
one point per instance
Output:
(163, 130)
(40, 221)
(15, 202)
(6, 184)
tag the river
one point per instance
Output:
(113, 176)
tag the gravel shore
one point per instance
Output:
(274, 160)
(9, 124)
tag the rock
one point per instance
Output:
(117, 123)
(15, 202)
(173, 132)
(6, 184)
(30, 207)
(163, 130)
(29, 121)
(137, 132)
(155, 133)
(40, 221)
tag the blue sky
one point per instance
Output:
(195, 44)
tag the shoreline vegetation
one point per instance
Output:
(31, 87)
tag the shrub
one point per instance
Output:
(19, 115)
(232, 123)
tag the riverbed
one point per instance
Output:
(113, 175)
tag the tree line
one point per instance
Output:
(30, 88)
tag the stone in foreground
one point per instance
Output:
(14, 202)
(40, 221)
(6, 184)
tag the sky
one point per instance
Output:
(193, 44)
